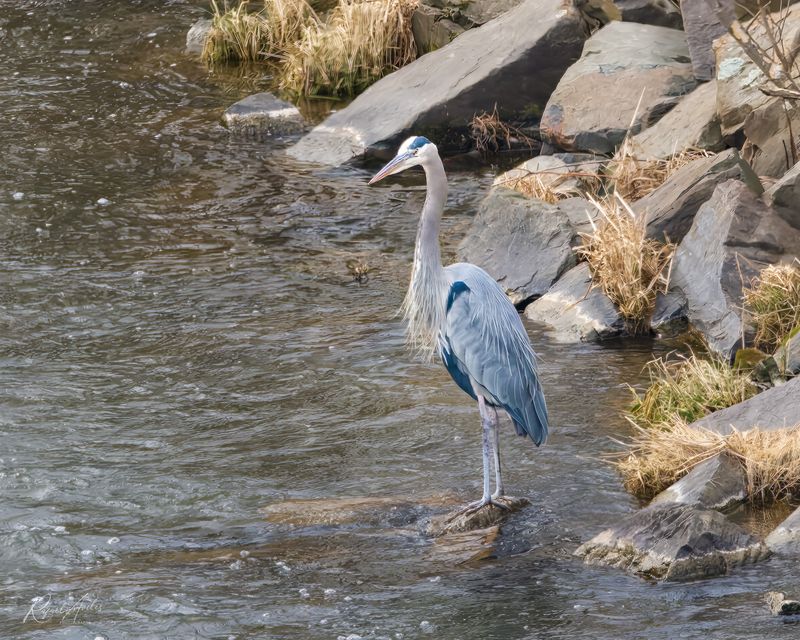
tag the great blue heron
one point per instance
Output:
(460, 312)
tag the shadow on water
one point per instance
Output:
(182, 344)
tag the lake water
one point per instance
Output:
(181, 345)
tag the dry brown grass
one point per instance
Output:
(688, 388)
(361, 41)
(629, 267)
(490, 133)
(544, 186)
(633, 178)
(773, 302)
(660, 457)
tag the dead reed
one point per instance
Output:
(773, 302)
(361, 41)
(633, 178)
(659, 457)
(490, 133)
(629, 267)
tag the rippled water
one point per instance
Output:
(181, 345)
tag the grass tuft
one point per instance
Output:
(360, 42)
(686, 389)
(660, 457)
(629, 267)
(773, 301)
(236, 34)
(633, 178)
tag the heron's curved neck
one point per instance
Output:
(424, 306)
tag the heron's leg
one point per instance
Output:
(498, 480)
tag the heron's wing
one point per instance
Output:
(483, 342)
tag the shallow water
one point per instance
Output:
(181, 344)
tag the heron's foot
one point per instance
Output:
(474, 507)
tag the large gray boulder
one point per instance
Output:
(717, 483)
(739, 79)
(734, 234)
(432, 29)
(669, 541)
(702, 26)
(662, 13)
(770, 131)
(576, 311)
(514, 62)
(785, 538)
(785, 196)
(775, 408)
(594, 104)
(692, 124)
(522, 243)
(670, 209)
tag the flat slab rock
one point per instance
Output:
(673, 542)
(442, 91)
(522, 243)
(263, 114)
(576, 311)
(626, 69)
(692, 124)
(775, 408)
(366, 510)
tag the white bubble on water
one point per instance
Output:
(103, 201)
(60, 529)
(18, 195)
(435, 579)
(304, 593)
(283, 566)
(152, 34)
(329, 593)
(113, 540)
(348, 599)
(87, 553)
(243, 553)
(427, 627)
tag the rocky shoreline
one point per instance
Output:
(593, 75)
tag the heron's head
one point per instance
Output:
(415, 150)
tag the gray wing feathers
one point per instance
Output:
(486, 336)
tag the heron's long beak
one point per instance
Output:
(395, 166)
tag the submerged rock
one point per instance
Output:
(464, 547)
(442, 91)
(670, 210)
(576, 311)
(692, 124)
(487, 516)
(668, 541)
(718, 483)
(734, 234)
(522, 243)
(263, 114)
(775, 408)
(344, 511)
(626, 69)
(785, 539)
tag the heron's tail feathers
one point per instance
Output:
(531, 419)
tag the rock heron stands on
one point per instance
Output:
(460, 312)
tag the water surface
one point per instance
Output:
(181, 344)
